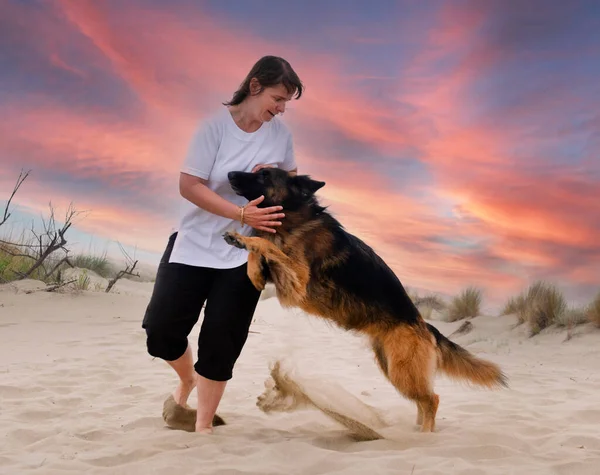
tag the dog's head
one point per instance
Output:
(278, 187)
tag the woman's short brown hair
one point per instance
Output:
(269, 71)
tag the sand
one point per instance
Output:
(79, 394)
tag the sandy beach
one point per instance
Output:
(79, 394)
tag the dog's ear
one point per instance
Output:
(309, 185)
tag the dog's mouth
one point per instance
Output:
(236, 189)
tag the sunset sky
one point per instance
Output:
(460, 139)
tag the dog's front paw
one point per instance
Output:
(234, 239)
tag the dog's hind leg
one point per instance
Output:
(419, 414)
(411, 361)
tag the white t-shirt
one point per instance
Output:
(218, 147)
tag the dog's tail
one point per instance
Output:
(458, 363)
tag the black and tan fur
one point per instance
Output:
(319, 267)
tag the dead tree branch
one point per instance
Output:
(58, 264)
(51, 239)
(22, 177)
(129, 268)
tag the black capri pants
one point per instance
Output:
(179, 293)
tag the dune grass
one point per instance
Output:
(466, 305)
(98, 264)
(432, 301)
(14, 263)
(426, 304)
(83, 281)
(543, 305)
(546, 306)
(572, 316)
(593, 311)
(515, 305)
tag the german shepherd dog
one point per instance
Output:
(322, 269)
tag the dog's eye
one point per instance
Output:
(263, 177)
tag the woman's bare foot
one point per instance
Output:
(184, 418)
(183, 391)
(204, 430)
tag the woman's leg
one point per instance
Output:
(174, 308)
(184, 367)
(227, 317)
(209, 394)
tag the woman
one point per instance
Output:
(198, 266)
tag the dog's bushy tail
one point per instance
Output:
(458, 363)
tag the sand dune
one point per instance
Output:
(79, 394)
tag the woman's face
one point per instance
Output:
(270, 102)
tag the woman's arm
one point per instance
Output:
(194, 189)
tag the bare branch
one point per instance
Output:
(15, 244)
(59, 263)
(128, 271)
(129, 268)
(22, 177)
(52, 239)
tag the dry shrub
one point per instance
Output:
(545, 306)
(571, 317)
(515, 305)
(593, 310)
(426, 304)
(98, 264)
(465, 305)
(432, 301)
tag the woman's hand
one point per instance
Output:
(260, 166)
(263, 219)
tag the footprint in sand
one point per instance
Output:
(36, 416)
(96, 435)
(579, 441)
(69, 361)
(62, 389)
(586, 416)
(27, 436)
(481, 452)
(473, 408)
(132, 390)
(17, 391)
(108, 344)
(144, 423)
(68, 402)
(580, 468)
(122, 458)
(108, 376)
(70, 343)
